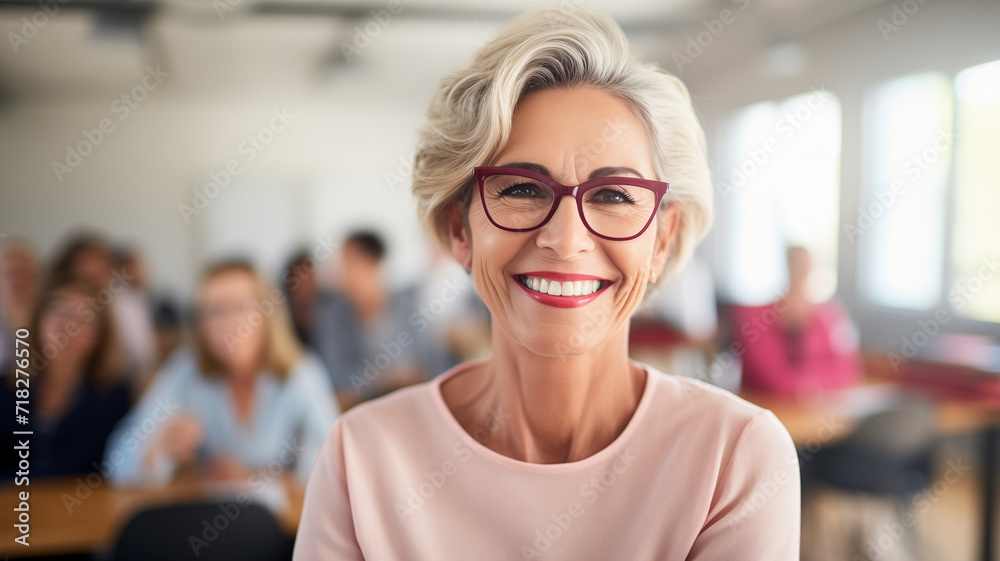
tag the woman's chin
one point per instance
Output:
(573, 343)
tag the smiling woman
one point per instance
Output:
(565, 176)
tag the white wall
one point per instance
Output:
(327, 169)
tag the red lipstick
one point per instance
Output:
(562, 301)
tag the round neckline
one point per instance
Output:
(608, 452)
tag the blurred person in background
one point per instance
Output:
(157, 317)
(795, 347)
(77, 390)
(301, 287)
(451, 310)
(88, 257)
(20, 282)
(245, 396)
(368, 337)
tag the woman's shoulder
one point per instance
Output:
(696, 406)
(402, 407)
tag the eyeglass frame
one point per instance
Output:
(659, 188)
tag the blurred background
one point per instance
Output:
(850, 283)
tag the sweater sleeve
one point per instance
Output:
(754, 512)
(326, 529)
(136, 432)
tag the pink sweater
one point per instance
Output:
(697, 474)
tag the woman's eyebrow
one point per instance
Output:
(537, 168)
(599, 172)
(613, 171)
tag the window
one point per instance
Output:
(779, 185)
(975, 289)
(905, 173)
(924, 132)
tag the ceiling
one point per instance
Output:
(93, 48)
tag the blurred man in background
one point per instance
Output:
(371, 340)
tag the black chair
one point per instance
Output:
(205, 531)
(889, 454)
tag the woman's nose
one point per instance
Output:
(565, 232)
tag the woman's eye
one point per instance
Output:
(611, 196)
(521, 190)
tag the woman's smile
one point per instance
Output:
(562, 290)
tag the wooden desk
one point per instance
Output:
(64, 519)
(831, 417)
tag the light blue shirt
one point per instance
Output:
(288, 421)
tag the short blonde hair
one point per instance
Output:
(558, 47)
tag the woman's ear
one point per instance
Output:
(458, 234)
(666, 228)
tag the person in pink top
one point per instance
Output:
(793, 347)
(565, 175)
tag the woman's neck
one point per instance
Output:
(241, 385)
(543, 409)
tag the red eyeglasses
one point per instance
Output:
(613, 208)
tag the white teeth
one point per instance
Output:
(565, 288)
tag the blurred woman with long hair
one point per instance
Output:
(76, 388)
(244, 397)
